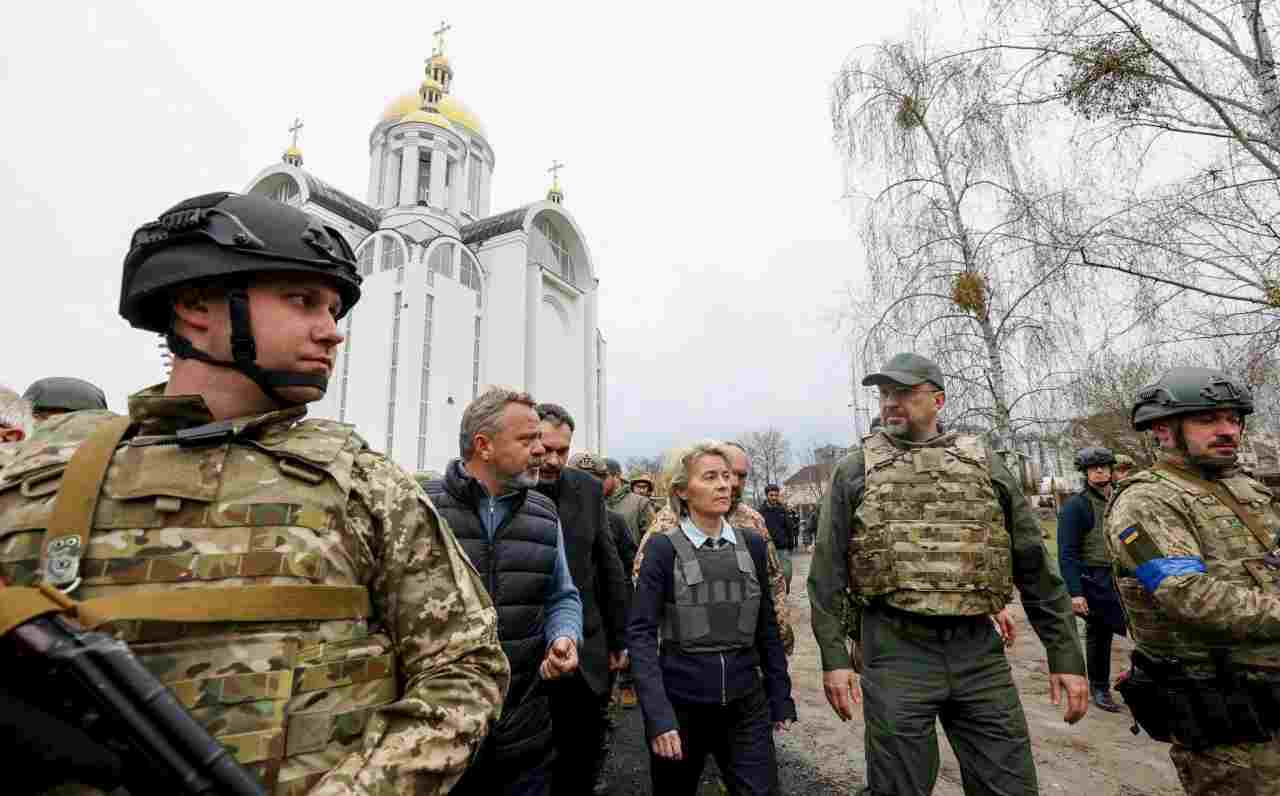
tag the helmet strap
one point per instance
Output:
(244, 352)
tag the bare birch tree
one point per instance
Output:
(962, 259)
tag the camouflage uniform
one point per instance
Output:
(636, 510)
(917, 544)
(395, 704)
(1166, 515)
(746, 518)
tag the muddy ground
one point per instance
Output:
(821, 755)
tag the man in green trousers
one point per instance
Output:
(923, 537)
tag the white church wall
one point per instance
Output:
(503, 260)
(560, 377)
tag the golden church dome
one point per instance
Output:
(419, 115)
(293, 152)
(451, 108)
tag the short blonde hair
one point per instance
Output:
(676, 470)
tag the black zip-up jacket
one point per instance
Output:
(781, 524)
(669, 675)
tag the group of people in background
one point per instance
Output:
(346, 627)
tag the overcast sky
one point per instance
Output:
(696, 137)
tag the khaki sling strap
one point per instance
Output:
(286, 603)
(68, 537)
(1250, 521)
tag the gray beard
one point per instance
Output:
(523, 480)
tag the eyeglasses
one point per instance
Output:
(900, 394)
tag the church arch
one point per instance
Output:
(557, 243)
(561, 311)
(280, 186)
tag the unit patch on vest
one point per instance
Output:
(1138, 545)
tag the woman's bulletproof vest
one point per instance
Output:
(196, 522)
(931, 525)
(717, 597)
(1231, 552)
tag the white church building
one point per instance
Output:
(454, 298)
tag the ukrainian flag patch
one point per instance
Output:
(1129, 535)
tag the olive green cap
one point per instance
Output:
(908, 370)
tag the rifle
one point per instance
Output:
(95, 683)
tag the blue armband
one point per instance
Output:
(1152, 573)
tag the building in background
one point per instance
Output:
(454, 297)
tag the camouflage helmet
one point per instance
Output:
(1184, 391)
(64, 393)
(642, 477)
(1094, 456)
(226, 238)
(1124, 460)
(589, 463)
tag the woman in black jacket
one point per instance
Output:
(704, 584)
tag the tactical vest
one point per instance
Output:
(717, 597)
(932, 529)
(1093, 547)
(263, 509)
(518, 568)
(1231, 553)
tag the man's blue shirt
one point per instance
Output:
(563, 604)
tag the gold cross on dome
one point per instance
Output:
(554, 171)
(439, 35)
(297, 125)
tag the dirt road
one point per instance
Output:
(821, 755)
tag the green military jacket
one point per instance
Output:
(1044, 595)
(636, 510)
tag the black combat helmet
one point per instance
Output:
(64, 393)
(1094, 456)
(225, 238)
(1184, 391)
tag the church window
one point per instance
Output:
(450, 168)
(395, 363)
(392, 254)
(473, 184)
(346, 367)
(475, 363)
(393, 178)
(424, 177)
(428, 311)
(442, 260)
(367, 256)
(286, 191)
(465, 271)
(555, 254)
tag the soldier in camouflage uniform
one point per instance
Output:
(742, 516)
(634, 508)
(296, 590)
(642, 485)
(929, 533)
(14, 414)
(1123, 467)
(1192, 540)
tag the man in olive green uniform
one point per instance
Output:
(635, 509)
(1193, 543)
(929, 533)
(741, 516)
(296, 590)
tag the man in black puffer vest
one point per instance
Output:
(605, 589)
(512, 535)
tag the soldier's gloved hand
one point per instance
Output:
(844, 690)
(1077, 690)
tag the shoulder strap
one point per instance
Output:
(686, 555)
(68, 533)
(1223, 494)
